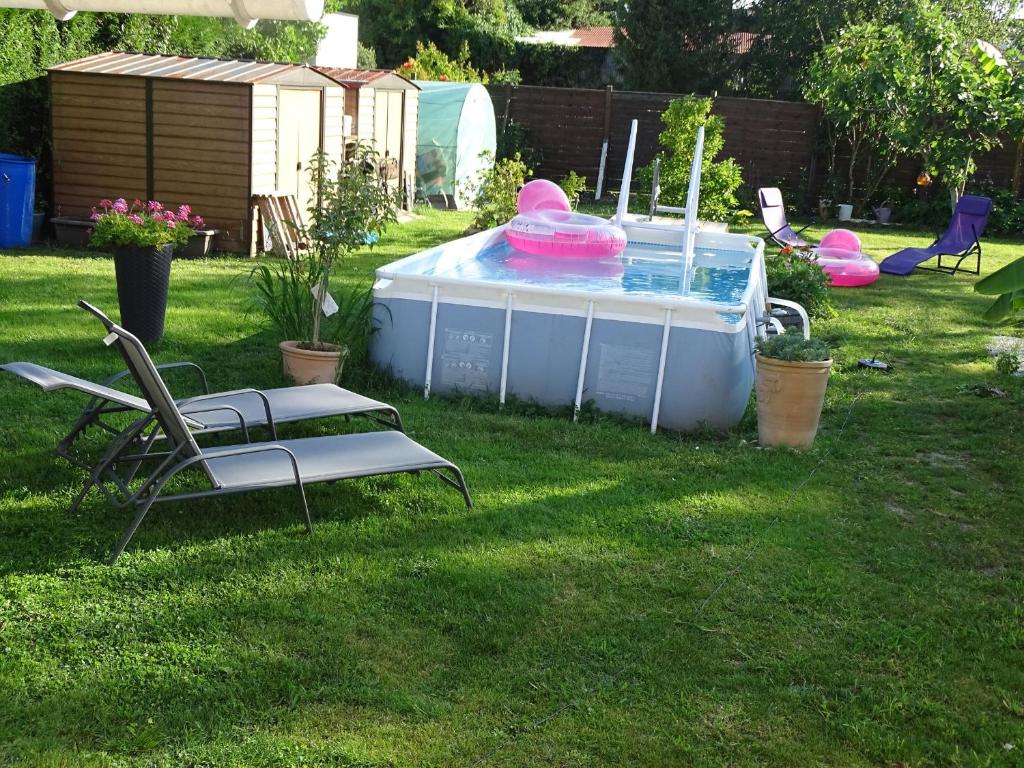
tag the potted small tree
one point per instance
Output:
(792, 374)
(352, 204)
(142, 237)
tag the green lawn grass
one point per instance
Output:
(665, 600)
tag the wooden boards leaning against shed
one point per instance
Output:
(279, 215)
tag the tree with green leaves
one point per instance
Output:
(431, 63)
(790, 32)
(676, 45)
(858, 82)
(917, 87)
(571, 14)
(720, 178)
(393, 27)
(964, 99)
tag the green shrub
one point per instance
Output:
(366, 57)
(561, 65)
(573, 185)
(513, 138)
(1007, 364)
(796, 276)
(793, 348)
(495, 190)
(933, 212)
(505, 76)
(1007, 211)
(431, 63)
(930, 213)
(719, 180)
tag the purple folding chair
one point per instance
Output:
(959, 241)
(773, 213)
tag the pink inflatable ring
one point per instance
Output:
(564, 234)
(839, 254)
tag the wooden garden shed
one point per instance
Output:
(207, 132)
(381, 109)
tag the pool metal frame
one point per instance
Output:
(677, 311)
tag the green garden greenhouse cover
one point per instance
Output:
(456, 125)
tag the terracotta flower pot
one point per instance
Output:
(312, 366)
(789, 400)
(143, 274)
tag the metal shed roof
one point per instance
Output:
(186, 68)
(378, 78)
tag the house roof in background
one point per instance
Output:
(378, 78)
(585, 37)
(604, 37)
(742, 42)
(195, 69)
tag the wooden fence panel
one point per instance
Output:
(773, 141)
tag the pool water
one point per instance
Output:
(719, 276)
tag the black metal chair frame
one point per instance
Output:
(97, 407)
(972, 250)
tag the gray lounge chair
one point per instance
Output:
(234, 468)
(209, 412)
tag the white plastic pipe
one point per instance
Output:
(627, 177)
(661, 369)
(245, 12)
(692, 203)
(430, 343)
(504, 350)
(583, 362)
(600, 170)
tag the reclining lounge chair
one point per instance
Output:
(210, 412)
(960, 240)
(234, 468)
(773, 214)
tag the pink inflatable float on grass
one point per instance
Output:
(546, 226)
(839, 254)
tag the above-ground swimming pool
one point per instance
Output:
(638, 334)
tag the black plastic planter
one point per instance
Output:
(143, 275)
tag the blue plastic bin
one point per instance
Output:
(17, 196)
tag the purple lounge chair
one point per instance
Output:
(773, 213)
(960, 240)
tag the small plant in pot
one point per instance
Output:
(792, 375)
(142, 237)
(352, 204)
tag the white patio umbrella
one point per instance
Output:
(245, 12)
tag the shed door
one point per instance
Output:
(298, 139)
(387, 131)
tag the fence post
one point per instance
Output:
(508, 102)
(606, 135)
(1015, 178)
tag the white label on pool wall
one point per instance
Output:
(465, 359)
(625, 373)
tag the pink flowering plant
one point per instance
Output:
(116, 223)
